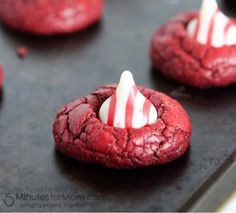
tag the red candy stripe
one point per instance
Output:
(211, 27)
(146, 110)
(112, 110)
(129, 109)
(195, 35)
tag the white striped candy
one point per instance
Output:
(127, 108)
(212, 27)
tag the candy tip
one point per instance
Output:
(127, 75)
(126, 81)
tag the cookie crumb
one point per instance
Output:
(22, 52)
(180, 92)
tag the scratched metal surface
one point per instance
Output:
(59, 70)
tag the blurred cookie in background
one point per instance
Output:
(43, 17)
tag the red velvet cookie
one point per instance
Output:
(80, 134)
(179, 57)
(49, 17)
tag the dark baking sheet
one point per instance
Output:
(59, 70)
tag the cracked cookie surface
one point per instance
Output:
(80, 134)
(45, 17)
(181, 58)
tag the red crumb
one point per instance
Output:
(22, 52)
(1, 76)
